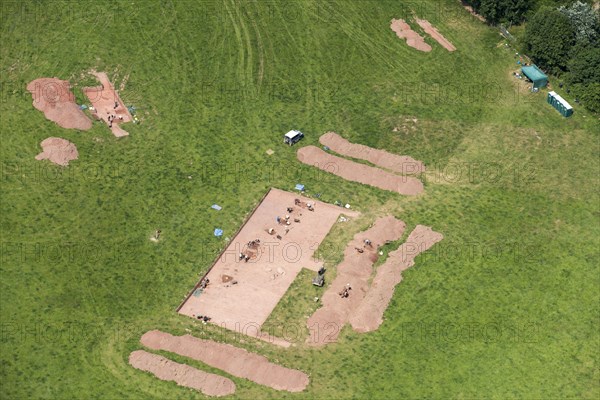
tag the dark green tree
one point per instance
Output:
(549, 37)
(491, 10)
(516, 10)
(584, 66)
(589, 95)
(496, 11)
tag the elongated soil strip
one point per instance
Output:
(369, 314)
(433, 32)
(233, 360)
(413, 39)
(402, 164)
(184, 375)
(353, 171)
(355, 270)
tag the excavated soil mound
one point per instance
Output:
(402, 164)
(54, 98)
(233, 360)
(356, 172)
(430, 30)
(369, 314)
(57, 150)
(354, 272)
(183, 375)
(413, 39)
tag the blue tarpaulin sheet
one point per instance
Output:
(216, 207)
(83, 107)
(299, 187)
(218, 232)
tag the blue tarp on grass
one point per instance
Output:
(536, 75)
(218, 232)
(216, 207)
(299, 186)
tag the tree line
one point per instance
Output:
(561, 37)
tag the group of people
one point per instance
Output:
(345, 292)
(309, 205)
(203, 318)
(111, 118)
(253, 244)
(367, 242)
(204, 283)
(285, 220)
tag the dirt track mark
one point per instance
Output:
(346, 20)
(261, 56)
(238, 35)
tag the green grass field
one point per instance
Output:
(506, 306)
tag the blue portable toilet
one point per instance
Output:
(560, 104)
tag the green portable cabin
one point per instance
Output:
(556, 101)
(536, 76)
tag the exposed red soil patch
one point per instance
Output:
(403, 164)
(272, 267)
(184, 375)
(354, 272)
(233, 360)
(57, 150)
(54, 98)
(356, 172)
(368, 316)
(433, 32)
(103, 99)
(413, 39)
